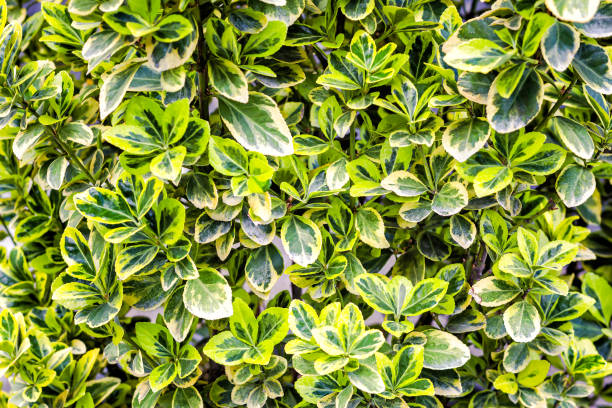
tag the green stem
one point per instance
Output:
(8, 232)
(562, 98)
(352, 153)
(421, 150)
(65, 148)
(202, 66)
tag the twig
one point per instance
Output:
(562, 98)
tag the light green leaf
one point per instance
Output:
(463, 138)
(257, 125)
(371, 228)
(301, 239)
(522, 321)
(208, 297)
(575, 185)
(578, 11)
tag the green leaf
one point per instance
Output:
(574, 136)
(534, 374)
(371, 228)
(493, 292)
(477, 55)
(575, 185)
(168, 165)
(209, 296)
(263, 267)
(115, 86)
(451, 198)
(257, 125)
(273, 325)
(367, 379)
(267, 41)
(187, 398)
(302, 319)
(226, 349)
(363, 50)
(102, 205)
(521, 107)
(155, 340)
(227, 79)
(444, 351)
(172, 28)
(579, 11)
(599, 25)
(593, 65)
(301, 239)
(559, 45)
(424, 296)
(522, 321)
(463, 138)
(462, 230)
(356, 9)
(404, 184)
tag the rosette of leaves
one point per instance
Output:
(251, 385)
(249, 340)
(159, 141)
(333, 350)
(328, 273)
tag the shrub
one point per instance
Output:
(429, 181)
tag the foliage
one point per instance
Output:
(429, 179)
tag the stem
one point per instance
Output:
(64, 148)
(202, 66)
(562, 98)
(421, 150)
(8, 232)
(352, 155)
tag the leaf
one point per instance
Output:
(444, 351)
(451, 198)
(187, 398)
(228, 79)
(263, 268)
(102, 205)
(575, 185)
(593, 65)
(371, 229)
(404, 184)
(599, 25)
(226, 349)
(522, 321)
(257, 125)
(302, 319)
(356, 9)
(167, 165)
(462, 230)
(363, 50)
(579, 11)
(424, 296)
(301, 239)
(132, 139)
(56, 172)
(463, 138)
(477, 55)
(521, 107)
(493, 292)
(574, 137)
(172, 28)
(366, 379)
(559, 45)
(115, 85)
(208, 297)
(534, 374)
(267, 41)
